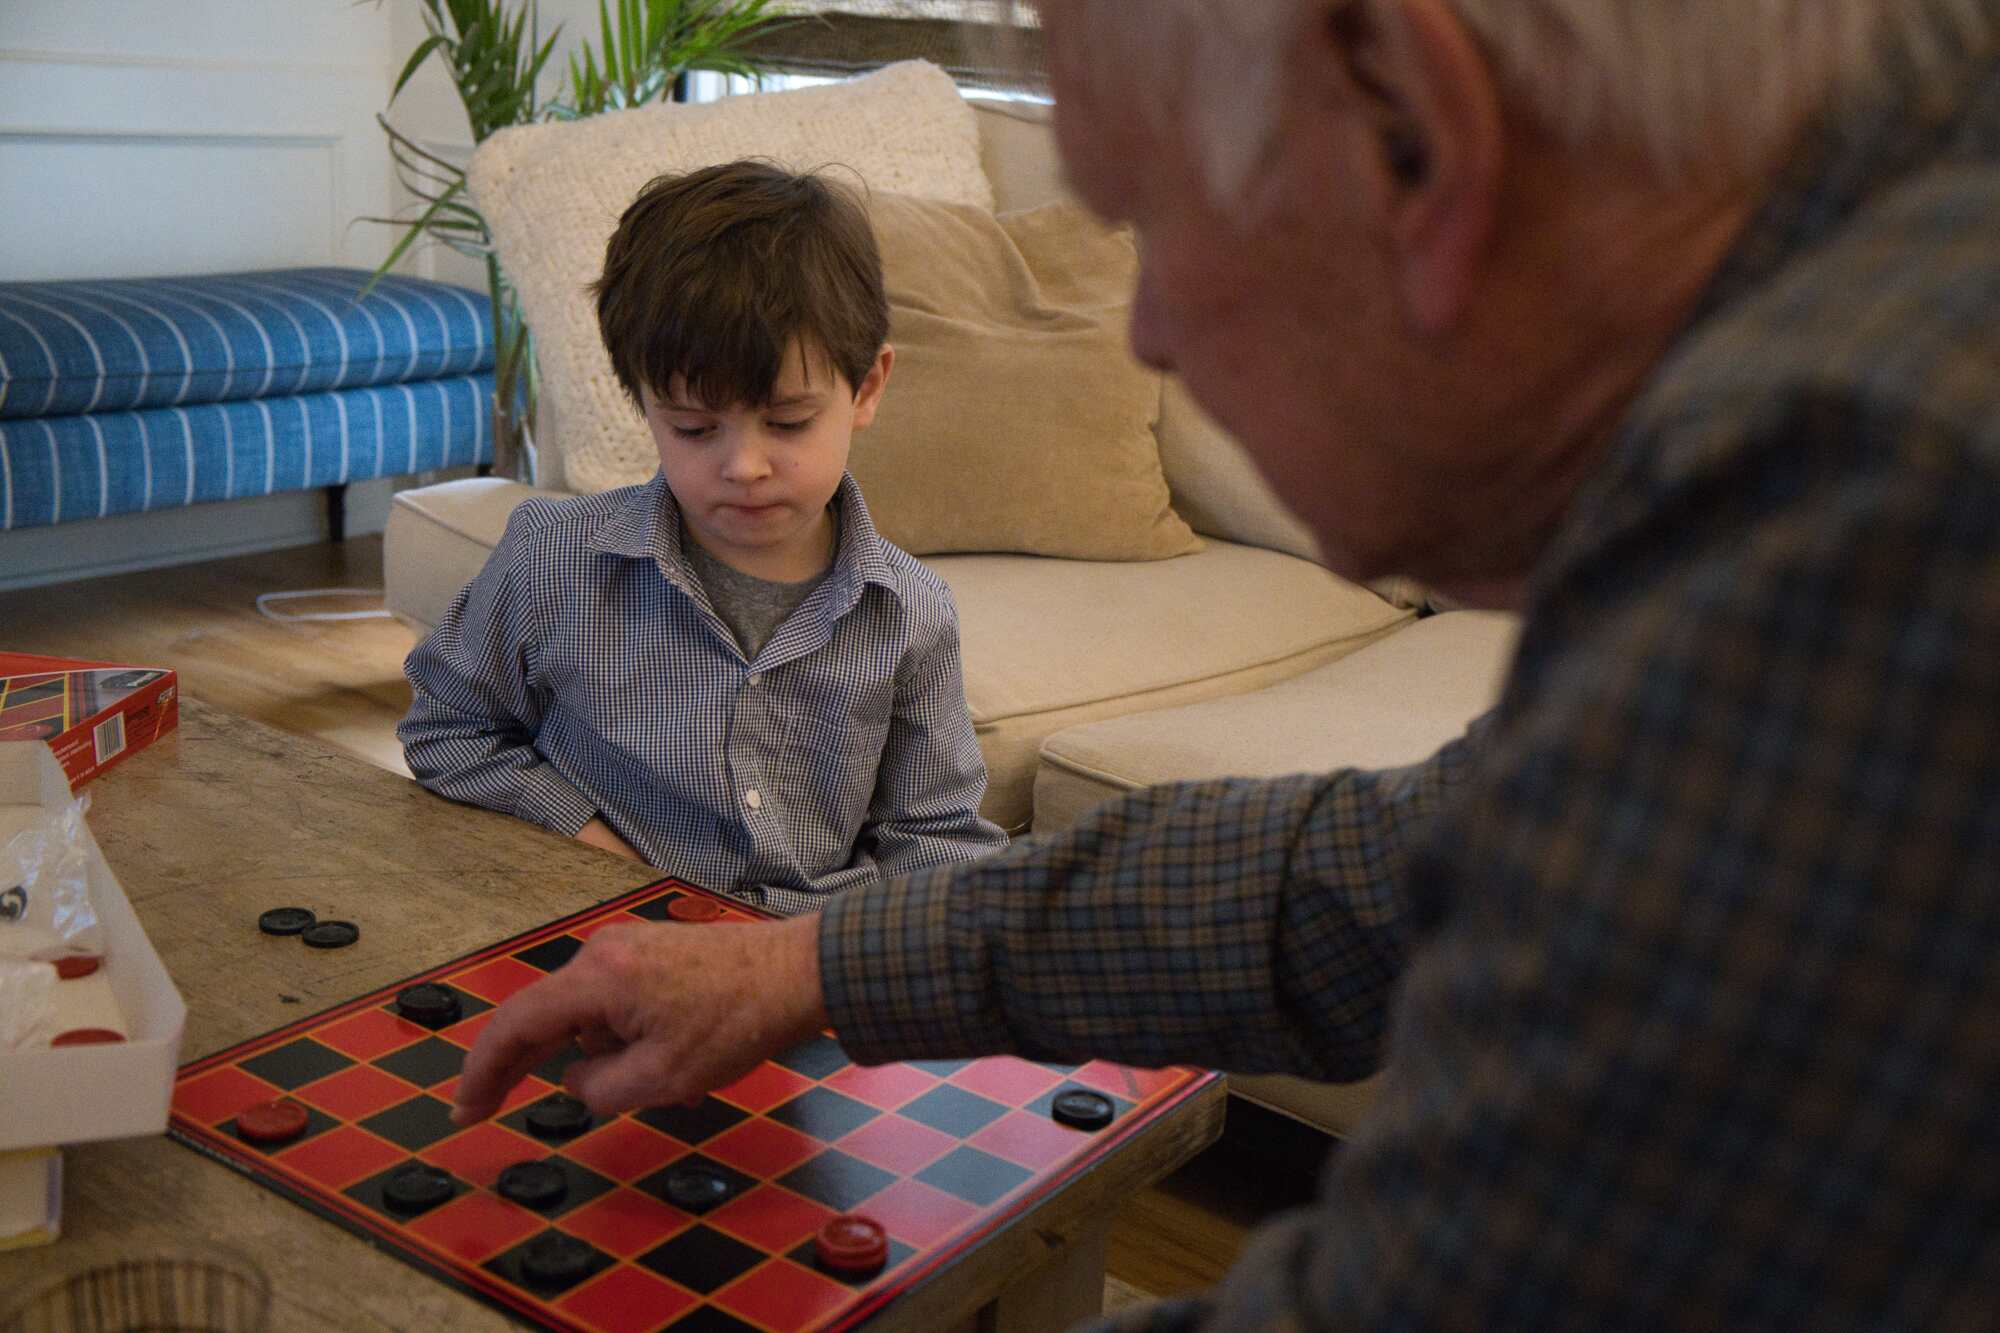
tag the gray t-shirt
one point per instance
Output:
(753, 608)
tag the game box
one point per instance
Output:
(91, 714)
(76, 1094)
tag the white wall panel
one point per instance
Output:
(139, 137)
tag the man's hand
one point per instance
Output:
(600, 834)
(664, 1013)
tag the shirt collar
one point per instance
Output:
(646, 525)
(1843, 160)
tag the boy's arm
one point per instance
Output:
(931, 776)
(475, 707)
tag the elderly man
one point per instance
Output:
(1672, 324)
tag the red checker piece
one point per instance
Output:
(77, 965)
(851, 1243)
(694, 909)
(86, 1037)
(272, 1122)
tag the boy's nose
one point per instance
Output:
(745, 461)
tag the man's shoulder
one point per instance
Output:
(1887, 327)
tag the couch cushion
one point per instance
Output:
(553, 193)
(1049, 644)
(1394, 702)
(438, 537)
(1016, 419)
(94, 464)
(114, 345)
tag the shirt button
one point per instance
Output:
(755, 679)
(753, 799)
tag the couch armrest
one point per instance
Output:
(438, 537)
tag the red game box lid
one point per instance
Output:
(90, 713)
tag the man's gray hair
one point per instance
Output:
(1686, 85)
(1702, 83)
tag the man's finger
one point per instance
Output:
(537, 1023)
(639, 1075)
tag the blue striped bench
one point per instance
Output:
(122, 396)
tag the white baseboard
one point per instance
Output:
(92, 548)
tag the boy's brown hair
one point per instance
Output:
(711, 275)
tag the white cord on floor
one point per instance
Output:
(264, 600)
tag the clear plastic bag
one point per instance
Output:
(46, 912)
(27, 1004)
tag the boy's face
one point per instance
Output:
(753, 482)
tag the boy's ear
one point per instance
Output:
(869, 394)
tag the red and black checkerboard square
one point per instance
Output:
(702, 1259)
(425, 1063)
(414, 1124)
(936, 1151)
(550, 954)
(693, 1125)
(296, 1063)
(841, 1182)
(823, 1113)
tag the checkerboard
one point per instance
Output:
(938, 1152)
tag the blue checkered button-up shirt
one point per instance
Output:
(584, 673)
(1685, 964)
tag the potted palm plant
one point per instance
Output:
(495, 54)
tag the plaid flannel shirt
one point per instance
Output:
(1687, 960)
(584, 672)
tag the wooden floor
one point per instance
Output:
(341, 681)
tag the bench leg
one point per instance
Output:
(336, 513)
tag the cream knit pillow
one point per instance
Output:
(552, 195)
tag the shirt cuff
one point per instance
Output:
(545, 797)
(888, 975)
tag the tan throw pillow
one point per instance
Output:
(552, 194)
(1016, 418)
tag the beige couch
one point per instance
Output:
(1089, 679)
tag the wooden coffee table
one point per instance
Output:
(226, 817)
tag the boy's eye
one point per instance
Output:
(800, 424)
(689, 432)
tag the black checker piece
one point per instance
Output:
(426, 1063)
(580, 1185)
(953, 1111)
(1044, 1105)
(296, 1063)
(373, 1192)
(702, 1259)
(837, 1180)
(672, 1183)
(974, 1176)
(807, 1256)
(430, 992)
(551, 954)
(415, 1124)
(823, 1113)
(816, 1058)
(317, 1122)
(549, 1262)
(692, 1125)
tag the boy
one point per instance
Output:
(724, 672)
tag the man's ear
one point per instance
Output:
(869, 395)
(1439, 138)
